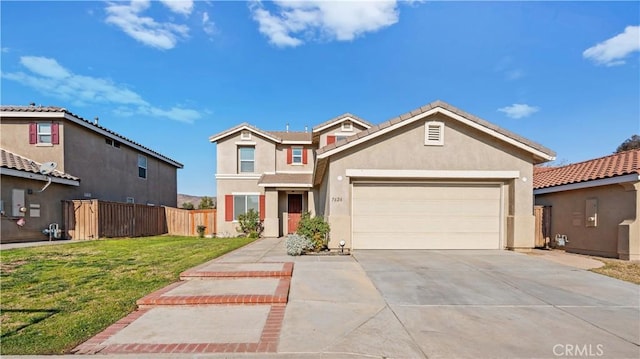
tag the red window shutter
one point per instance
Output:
(304, 156)
(55, 136)
(289, 155)
(33, 133)
(331, 139)
(262, 207)
(228, 208)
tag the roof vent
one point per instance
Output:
(287, 127)
(32, 104)
(95, 121)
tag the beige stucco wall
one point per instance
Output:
(229, 187)
(105, 172)
(464, 149)
(616, 204)
(14, 137)
(281, 159)
(111, 174)
(50, 208)
(227, 158)
(336, 130)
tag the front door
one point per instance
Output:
(295, 212)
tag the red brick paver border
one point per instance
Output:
(159, 297)
(195, 273)
(268, 339)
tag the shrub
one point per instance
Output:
(250, 224)
(201, 230)
(314, 228)
(297, 244)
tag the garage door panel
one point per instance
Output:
(426, 216)
(439, 224)
(459, 208)
(422, 241)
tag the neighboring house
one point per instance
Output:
(92, 163)
(433, 178)
(595, 204)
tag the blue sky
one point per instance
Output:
(168, 74)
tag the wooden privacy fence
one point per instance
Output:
(88, 219)
(182, 222)
(543, 225)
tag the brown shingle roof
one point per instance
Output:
(338, 118)
(16, 162)
(90, 125)
(429, 107)
(293, 179)
(291, 136)
(619, 164)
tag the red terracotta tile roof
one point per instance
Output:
(619, 164)
(91, 125)
(16, 162)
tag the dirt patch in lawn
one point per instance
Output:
(628, 271)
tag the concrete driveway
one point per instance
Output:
(489, 304)
(456, 304)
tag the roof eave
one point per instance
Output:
(632, 177)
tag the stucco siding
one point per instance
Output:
(229, 187)
(615, 204)
(14, 137)
(336, 130)
(464, 149)
(281, 159)
(227, 158)
(50, 208)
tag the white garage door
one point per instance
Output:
(426, 216)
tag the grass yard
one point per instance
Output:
(56, 297)
(623, 270)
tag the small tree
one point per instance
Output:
(630, 143)
(187, 205)
(206, 203)
(314, 228)
(250, 224)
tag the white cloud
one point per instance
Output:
(207, 25)
(293, 22)
(183, 7)
(611, 52)
(47, 76)
(161, 35)
(519, 110)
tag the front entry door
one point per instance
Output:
(295, 212)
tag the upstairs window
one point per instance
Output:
(434, 133)
(296, 155)
(246, 159)
(142, 166)
(44, 133)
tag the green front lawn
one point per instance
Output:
(53, 298)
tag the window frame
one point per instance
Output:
(241, 161)
(245, 203)
(295, 156)
(141, 167)
(40, 133)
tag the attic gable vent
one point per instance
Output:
(434, 133)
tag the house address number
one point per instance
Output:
(336, 199)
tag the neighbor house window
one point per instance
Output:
(243, 203)
(44, 133)
(434, 133)
(296, 155)
(246, 159)
(142, 166)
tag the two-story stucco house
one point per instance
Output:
(434, 178)
(92, 163)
